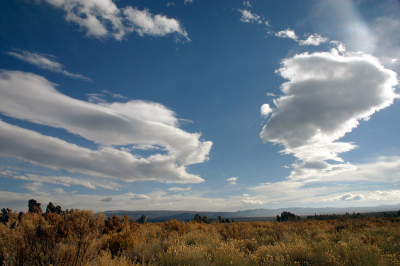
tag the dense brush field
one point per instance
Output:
(82, 238)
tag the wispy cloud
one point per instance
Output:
(139, 196)
(114, 95)
(249, 17)
(346, 197)
(59, 180)
(179, 189)
(45, 62)
(95, 98)
(314, 39)
(247, 3)
(232, 180)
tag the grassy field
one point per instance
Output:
(81, 238)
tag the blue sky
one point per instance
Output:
(199, 105)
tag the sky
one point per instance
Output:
(199, 105)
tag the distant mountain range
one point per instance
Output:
(255, 214)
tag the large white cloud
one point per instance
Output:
(33, 98)
(326, 96)
(102, 18)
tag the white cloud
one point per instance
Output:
(391, 195)
(232, 180)
(347, 197)
(339, 46)
(144, 147)
(179, 189)
(45, 62)
(95, 98)
(332, 185)
(314, 39)
(266, 110)
(59, 180)
(99, 97)
(248, 17)
(170, 4)
(110, 185)
(288, 33)
(143, 22)
(323, 100)
(325, 97)
(247, 3)
(252, 202)
(93, 15)
(187, 1)
(102, 18)
(270, 94)
(57, 154)
(134, 122)
(114, 95)
(384, 169)
(135, 196)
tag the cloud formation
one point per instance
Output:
(45, 62)
(102, 18)
(324, 99)
(314, 39)
(107, 124)
(288, 33)
(179, 189)
(232, 180)
(145, 23)
(249, 17)
(347, 197)
(59, 180)
(266, 110)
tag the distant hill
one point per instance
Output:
(262, 214)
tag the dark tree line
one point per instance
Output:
(206, 220)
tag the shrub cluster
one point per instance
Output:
(80, 237)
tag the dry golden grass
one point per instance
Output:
(81, 238)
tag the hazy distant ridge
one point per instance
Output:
(162, 215)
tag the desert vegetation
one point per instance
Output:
(80, 237)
